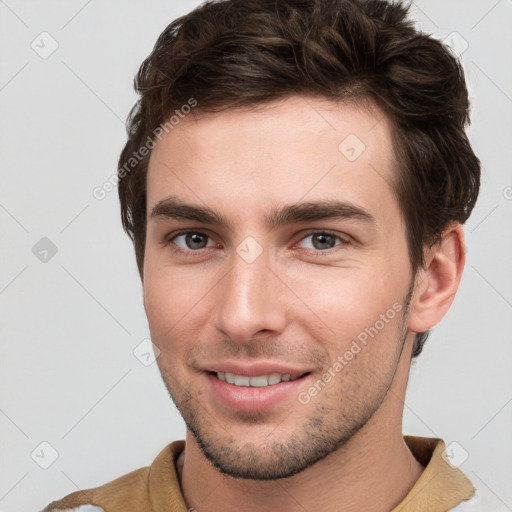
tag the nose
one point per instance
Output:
(250, 300)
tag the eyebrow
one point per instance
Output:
(172, 207)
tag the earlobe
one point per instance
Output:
(438, 281)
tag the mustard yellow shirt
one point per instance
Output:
(156, 488)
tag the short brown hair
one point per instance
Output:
(242, 53)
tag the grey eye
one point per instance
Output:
(193, 240)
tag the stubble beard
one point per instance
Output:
(327, 428)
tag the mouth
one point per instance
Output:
(257, 392)
(258, 381)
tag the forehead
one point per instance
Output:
(247, 161)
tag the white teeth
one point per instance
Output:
(259, 381)
(242, 380)
(274, 378)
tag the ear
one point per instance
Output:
(437, 282)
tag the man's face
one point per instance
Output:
(253, 298)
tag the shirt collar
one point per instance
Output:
(439, 488)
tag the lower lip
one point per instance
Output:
(252, 399)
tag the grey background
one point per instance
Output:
(72, 320)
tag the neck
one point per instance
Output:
(340, 482)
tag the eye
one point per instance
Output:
(192, 240)
(189, 242)
(323, 240)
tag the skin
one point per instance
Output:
(301, 302)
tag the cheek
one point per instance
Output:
(175, 300)
(346, 300)
(163, 300)
(163, 316)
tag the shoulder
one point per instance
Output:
(128, 489)
(133, 492)
(82, 508)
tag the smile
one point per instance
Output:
(258, 381)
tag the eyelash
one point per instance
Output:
(191, 252)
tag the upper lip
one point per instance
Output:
(255, 369)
